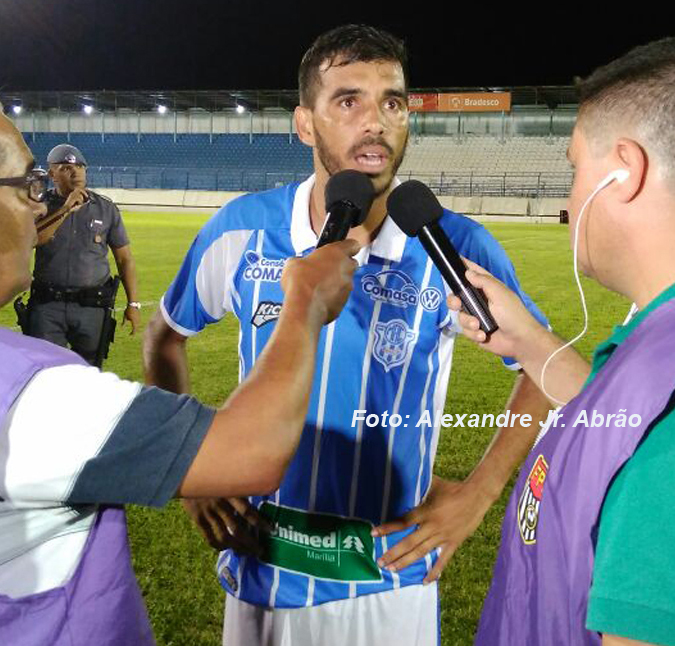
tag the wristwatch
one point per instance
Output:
(135, 304)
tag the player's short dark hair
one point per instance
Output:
(345, 45)
(637, 89)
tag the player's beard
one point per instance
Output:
(332, 165)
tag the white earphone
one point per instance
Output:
(620, 175)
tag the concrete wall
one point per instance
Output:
(513, 208)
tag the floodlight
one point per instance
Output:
(88, 109)
(17, 109)
(240, 109)
(162, 109)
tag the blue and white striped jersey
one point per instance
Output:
(390, 351)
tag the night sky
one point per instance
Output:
(238, 44)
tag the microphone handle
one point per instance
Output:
(453, 269)
(338, 222)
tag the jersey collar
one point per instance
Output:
(388, 244)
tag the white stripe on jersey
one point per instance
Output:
(325, 369)
(397, 403)
(316, 456)
(362, 402)
(220, 259)
(310, 592)
(423, 408)
(274, 588)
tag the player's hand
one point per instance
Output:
(450, 513)
(324, 278)
(517, 326)
(133, 315)
(228, 523)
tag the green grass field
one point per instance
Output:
(176, 568)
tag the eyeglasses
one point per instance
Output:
(35, 181)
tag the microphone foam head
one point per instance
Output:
(412, 205)
(350, 186)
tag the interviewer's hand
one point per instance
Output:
(517, 326)
(323, 279)
(227, 523)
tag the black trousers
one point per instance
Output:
(68, 324)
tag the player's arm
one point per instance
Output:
(126, 267)
(165, 356)
(452, 510)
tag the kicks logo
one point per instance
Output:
(267, 311)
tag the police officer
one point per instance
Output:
(72, 291)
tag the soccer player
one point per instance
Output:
(76, 443)
(587, 542)
(320, 577)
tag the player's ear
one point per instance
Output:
(304, 125)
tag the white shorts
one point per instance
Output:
(408, 616)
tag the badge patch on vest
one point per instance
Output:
(530, 501)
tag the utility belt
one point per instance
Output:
(99, 296)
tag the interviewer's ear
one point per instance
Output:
(631, 157)
(304, 125)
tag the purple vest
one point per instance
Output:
(542, 577)
(101, 604)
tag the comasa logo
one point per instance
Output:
(261, 268)
(391, 286)
(396, 288)
(266, 312)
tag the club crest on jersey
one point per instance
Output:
(261, 268)
(394, 287)
(266, 312)
(393, 341)
(530, 501)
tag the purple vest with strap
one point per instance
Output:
(542, 577)
(101, 604)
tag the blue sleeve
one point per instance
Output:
(181, 302)
(146, 456)
(199, 294)
(473, 241)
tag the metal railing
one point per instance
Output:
(533, 185)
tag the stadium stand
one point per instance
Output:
(231, 141)
(470, 165)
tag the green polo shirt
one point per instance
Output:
(633, 590)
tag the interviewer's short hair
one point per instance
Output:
(636, 90)
(345, 45)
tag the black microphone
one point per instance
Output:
(349, 195)
(416, 211)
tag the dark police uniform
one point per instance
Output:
(70, 270)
